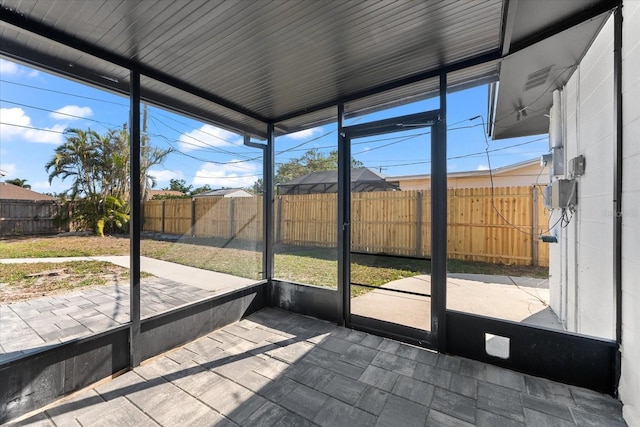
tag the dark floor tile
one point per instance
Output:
(372, 341)
(335, 345)
(359, 355)
(500, 400)
(540, 419)
(489, 419)
(505, 378)
(372, 400)
(439, 419)
(474, 369)
(597, 403)
(321, 357)
(402, 412)
(414, 390)
(346, 369)
(448, 363)
(589, 419)
(343, 388)
(466, 386)
(453, 404)
(304, 401)
(336, 413)
(278, 389)
(266, 416)
(433, 375)
(556, 409)
(293, 420)
(549, 390)
(379, 377)
(397, 364)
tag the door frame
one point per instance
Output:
(431, 119)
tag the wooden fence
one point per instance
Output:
(28, 217)
(393, 222)
(227, 218)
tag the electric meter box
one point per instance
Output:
(564, 193)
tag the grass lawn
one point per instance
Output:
(315, 266)
(19, 282)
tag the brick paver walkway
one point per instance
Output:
(28, 326)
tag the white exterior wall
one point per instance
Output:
(581, 270)
(586, 300)
(630, 380)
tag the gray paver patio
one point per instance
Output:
(28, 326)
(267, 370)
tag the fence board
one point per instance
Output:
(381, 222)
(29, 217)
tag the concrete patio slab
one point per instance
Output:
(518, 299)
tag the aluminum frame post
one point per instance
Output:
(344, 221)
(135, 224)
(268, 194)
(439, 223)
(265, 205)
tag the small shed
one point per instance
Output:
(362, 180)
(225, 192)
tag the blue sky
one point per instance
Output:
(36, 107)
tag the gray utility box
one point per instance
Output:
(564, 193)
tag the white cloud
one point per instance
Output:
(41, 186)
(23, 128)
(165, 175)
(227, 175)
(7, 170)
(71, 112)
(9, 68)
(307, 133)
(482, 168)
(207, 136)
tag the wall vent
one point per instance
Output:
(537, 78)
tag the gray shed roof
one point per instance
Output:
(242, 64)
(362, 180)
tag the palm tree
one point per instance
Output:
(99, 167)
(19, 182)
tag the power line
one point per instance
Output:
(205, 144)
(57, 112)
(64, 93)
(481, 153)
(31, 127)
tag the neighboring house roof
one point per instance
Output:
(518, 174)
(225, 192)
(152, 193)
(362, 179)
(13, 192)
(483, 172)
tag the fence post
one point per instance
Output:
(163, 216)
(279, 220)
(231, 217)
(193, 217)
(534, 227)
(419, 224)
